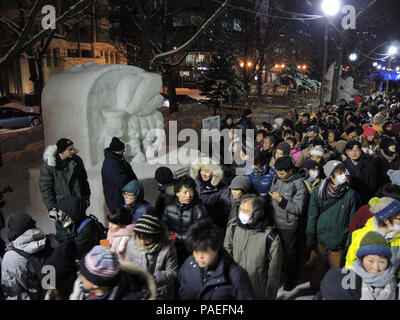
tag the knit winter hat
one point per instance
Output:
(330, 166)
(147, 225)
(117, 145)
(317, 151)
(381, 107)
(377, 127)
(279, 121)
(136, 188)
(340, 146)
(394, 176)
(240, 183)
(284, 146)
(309, 164)
(101, 266)
(368, 131)
(18, 224)
(284, 163)
(384, 208)
(63, 144)
(164, 175)
(313, 128)
(332, 285)
(373, 243)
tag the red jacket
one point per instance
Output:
(360, 218)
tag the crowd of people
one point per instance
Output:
(323, 193)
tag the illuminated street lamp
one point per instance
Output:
(249, 64)
(379, 67)
(375, 64)
(392, 52)
(353, 57)
(330, 8)
(242, 64)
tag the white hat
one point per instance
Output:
(317, 151)
(279, 121)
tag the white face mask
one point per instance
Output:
(244, 218)
(314, 174)
(274, 126)
(341, 179)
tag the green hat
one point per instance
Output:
(373, 243)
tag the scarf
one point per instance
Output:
(329, 190)
(380, 286)
(119, 240)
(150, 249)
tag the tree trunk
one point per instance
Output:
(173, 106)
(338, 67)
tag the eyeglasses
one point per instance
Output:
(128, 194)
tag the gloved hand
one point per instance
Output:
(53, 214)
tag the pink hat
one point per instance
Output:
(368, 131)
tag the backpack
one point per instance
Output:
(271, 236)
(102, 230)
(34, 265)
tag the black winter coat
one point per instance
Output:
(228, 281)
(116, 172)
(215, 200)
(165, 197)
(179, 217)
(382, 166)
(362, 178)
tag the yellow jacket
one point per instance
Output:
(356, 237)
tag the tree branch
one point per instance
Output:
(187, 44)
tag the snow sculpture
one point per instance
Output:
(345, 90)
(91, 103)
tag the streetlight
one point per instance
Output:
(392, 51)
(375, 64)
(353, 57)
(379, 67)
(242, 64)
(330, 8)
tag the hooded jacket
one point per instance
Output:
(140, 205)
(247, 245)
(89, 235)
(228, 281)
(135, 283)
(261, 179)
(116, 172)
(14, 265)
(295, 196)
(163, 266)
(211, 193)
(60, 179)
(330, 228)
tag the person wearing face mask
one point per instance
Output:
(313, 171)
(239, 187)
(387, 158)
(386, 221)
(331, 208)
(256, 247)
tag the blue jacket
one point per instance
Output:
(228, 281)
(116, 172)
(262, 180)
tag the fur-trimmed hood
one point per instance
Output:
(215, 168)
(136, 270)
(49, 155)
